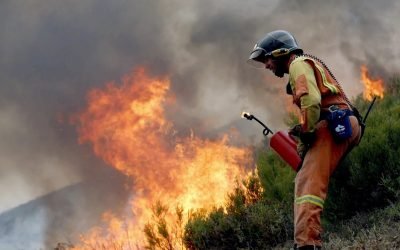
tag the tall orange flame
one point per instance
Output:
(127, 128)
(373, 88)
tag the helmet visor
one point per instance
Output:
(257, 58)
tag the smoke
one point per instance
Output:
(53, 52)
(33, 238)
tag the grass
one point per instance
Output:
(376, 230)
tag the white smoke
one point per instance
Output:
(53, 52)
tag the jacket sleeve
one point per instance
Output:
(305, 94)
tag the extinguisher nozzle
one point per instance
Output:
(247, 115)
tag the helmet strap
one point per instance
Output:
(281, 65)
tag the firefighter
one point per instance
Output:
(320, 98)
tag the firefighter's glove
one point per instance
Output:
(302, 150)
(295, 131)
(307, 137)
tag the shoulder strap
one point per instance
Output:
(355, 110)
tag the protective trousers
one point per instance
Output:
(311, 183)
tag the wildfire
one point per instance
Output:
(126, 127)
(373, 88)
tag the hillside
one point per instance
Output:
(362, 209)
(378, 229)
(56, 217)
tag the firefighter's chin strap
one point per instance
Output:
(250, 117)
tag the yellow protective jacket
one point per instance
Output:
(314, 90)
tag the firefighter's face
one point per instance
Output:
(276, 66)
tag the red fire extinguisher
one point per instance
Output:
(282, 143)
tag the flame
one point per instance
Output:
(373, 88)
(127, 128)
(245, 114)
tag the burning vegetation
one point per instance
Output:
(372, 88)
(176, 177)
(126, 126)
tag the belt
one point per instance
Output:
(325, 115)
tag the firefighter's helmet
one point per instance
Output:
(275, 44)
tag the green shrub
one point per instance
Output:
(369, 177)
(276, 177)
(249, 222)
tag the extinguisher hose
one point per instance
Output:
(250, 117)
